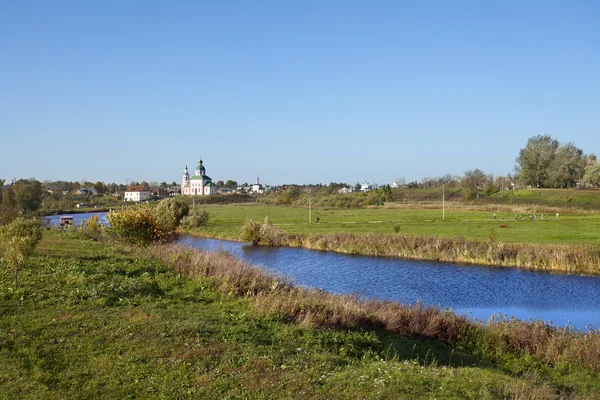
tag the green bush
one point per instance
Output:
(196, 218)
(170, 212)
(251, 231)
(139, 226)
(264, 233)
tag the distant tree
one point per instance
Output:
(567, 166)
(474, 181)
(592, 172)
(220, 184)
(18, 240)
(535, 159)
(163, 185)
(231, 184)
(288, 195)
(100, 187)
(357, 186)
(28, 194)
(386, 192)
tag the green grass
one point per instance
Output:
(570, 229)
(93, 320)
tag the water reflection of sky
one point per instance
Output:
(479, 292)
(78, 218)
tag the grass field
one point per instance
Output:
(461, 221)
(97, 320)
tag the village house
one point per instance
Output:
(137, 193)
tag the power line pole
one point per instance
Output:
(443, 203)
(309, 207)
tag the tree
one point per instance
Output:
(220, 184)
(534, 160)
(100, 187)
(474, 181)
(18, 240)
(9, 209)
(28, 194)
(592, 173)
(567, 166)
(231, 184)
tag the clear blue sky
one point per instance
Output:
(294, 91)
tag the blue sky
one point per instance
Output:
(295, 92)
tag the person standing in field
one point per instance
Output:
(557, 216)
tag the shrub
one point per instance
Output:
(93, 228)
(170, 212)
(139, 226)
(18, 239)
(264, 233)
(196, 218)
(251, 231)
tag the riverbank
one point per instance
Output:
(557, 259)
(98, 319)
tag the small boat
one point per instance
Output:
(65, 220)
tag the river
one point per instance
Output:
(478, 292)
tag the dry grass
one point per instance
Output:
(274, 295)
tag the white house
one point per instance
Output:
(136, 193)
(345, 190)
(199, 184)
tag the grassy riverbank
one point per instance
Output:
(472, 236)
(93, 319)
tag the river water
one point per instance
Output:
(478, 292)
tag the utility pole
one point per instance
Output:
(309, 207)
(443, 203)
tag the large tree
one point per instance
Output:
(534, 160)
(567, 166)
(592, 172)
(28, 193)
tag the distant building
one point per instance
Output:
(345, 190)
(365, 187)
(160, 192)
(85, 192)
(137, 193)
(257, 187)
(199, 184)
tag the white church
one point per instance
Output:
(199, 184)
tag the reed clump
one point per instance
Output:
(498, 340)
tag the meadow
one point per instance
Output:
(471, 222)
(98, 319)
